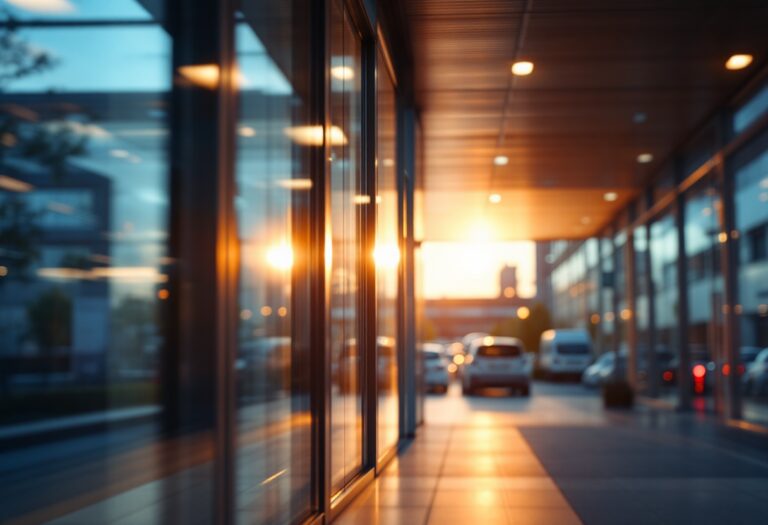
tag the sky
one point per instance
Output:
(471, 269)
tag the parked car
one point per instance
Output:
(497, 362)
(564, 352)
(755, 378)
(436, 377)
(595, 373)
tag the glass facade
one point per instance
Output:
(682, 288)
(200, 260)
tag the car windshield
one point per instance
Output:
(499, 351)
(572, 349)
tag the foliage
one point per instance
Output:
(527, 330)
(50, 319)
(19, 59)
(18, 237)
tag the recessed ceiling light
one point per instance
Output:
(522, 68)
(739, 61)
(501, 160)
(610, 196)
(494, 198)
(644, 158)
(586, 220)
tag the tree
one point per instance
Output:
(50, 320)
(528, 330)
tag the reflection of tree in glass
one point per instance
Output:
(18, 237)
(50, 320)
(18, 59)
(48, 145)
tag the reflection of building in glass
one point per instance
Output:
(55, 296)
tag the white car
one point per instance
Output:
(564, 352)
(436, 377)
(497, 362)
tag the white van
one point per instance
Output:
(564, 352)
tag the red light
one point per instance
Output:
(667, 375)
(726, 369)
(699, 371)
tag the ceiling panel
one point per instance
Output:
(570, 129)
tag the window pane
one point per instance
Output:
(665, 297)
(705, 291)
(387, 258)
(346, 202)
(273, 461)
(90, 386)
(751, 196)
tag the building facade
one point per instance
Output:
(678, 280)
(209, 317)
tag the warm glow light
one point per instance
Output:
(610, 196)
(44, 6)
(609, 317)
(595, 318)
(386, 256)
(282, 311)
(280, 257)
(203, 75)
(501, 160)
(739, 61)
(361, 199)
(488, 340)
(313, 135)
(139, 274)
(11, 184)
(343, 72)
(644, 158)
(722, 237)
(266, 311)
(523, 312)
(246, 131)
(494, 198)
(452, 368)
(245, 314)
(3, 271)
(699, 371)
(626, 314)
(509, 292)
(522, 68)
(458, 359)
(207, 75)
(163, 294)
(295, 184)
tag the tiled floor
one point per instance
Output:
(558, 459)
(463, 474)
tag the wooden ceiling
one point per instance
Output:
(612, 79)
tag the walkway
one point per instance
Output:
(559, 459)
